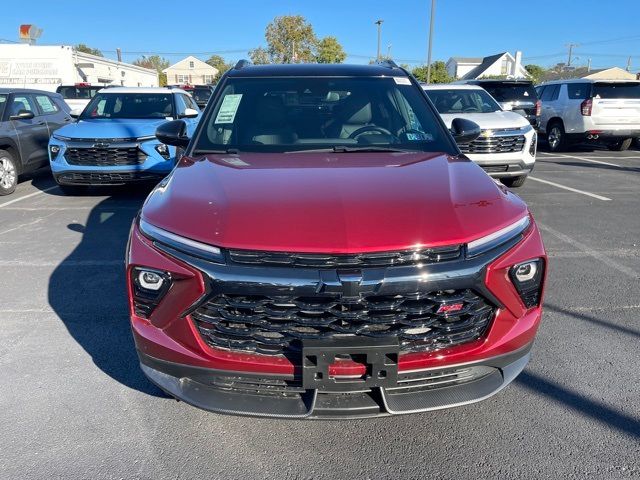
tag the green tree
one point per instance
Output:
(290, 39)
(154, 62)
(536, 72)
(439, 73)
(81, 47)
(259, 56)
(330, 51)
(216, 61)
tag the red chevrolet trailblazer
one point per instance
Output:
(323, 249)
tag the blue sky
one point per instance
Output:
(607, 30)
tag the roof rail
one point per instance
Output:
(387, 63)
(242, 64)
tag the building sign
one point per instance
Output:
(40, 72)
(29, 33)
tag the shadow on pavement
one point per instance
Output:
(88, 292)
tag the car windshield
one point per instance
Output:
(458, 100)
(78, 93)
(3, 103)
(129, 105)
(510, 92)
(201, 94)
(616, 90)
(322, 113)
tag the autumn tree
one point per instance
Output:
(219, 63)
(329, 50)
(439, 73)
(81, 47)
(536, 72)
(259, 56)
(290, 39)
(154, 62)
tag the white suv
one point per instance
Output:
(506, 148)
(602, 111)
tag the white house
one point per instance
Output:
(500, 65)
(460, 66)
(191, 71)
(46, 67)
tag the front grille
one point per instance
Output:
(91, 178)
(105, 157)
(494, 144)
(495, 168)
(378, 259)
(276, 325)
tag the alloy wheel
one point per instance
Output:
(554, 137)
(7, 173)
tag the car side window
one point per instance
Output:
(189, 102)
(22, 102)
(46, 104)
(578, 91)
(181, 106)
(550, 93)
(539, 91)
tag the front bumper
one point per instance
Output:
(282, 396)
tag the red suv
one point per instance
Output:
(324, 250)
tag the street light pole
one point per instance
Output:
(433, 11)
(379, 23)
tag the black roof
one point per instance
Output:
(317, 70)
(486, 63)
(6, 91)
(495, 81)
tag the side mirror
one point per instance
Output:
(173, 133)
(22, 115)
(75, 113)
(189, 113)
(464, 131)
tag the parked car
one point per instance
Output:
(27, 118)
(582, 110)
(78, 95)
(201, 94)
(516, 95)
(323, 249)
(506, 148)
(113, 141)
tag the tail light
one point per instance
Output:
(538, 108)
(527, 278)
(585, 107)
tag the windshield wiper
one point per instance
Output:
(344, 149)
(205, 152)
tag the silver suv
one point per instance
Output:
(602, 111)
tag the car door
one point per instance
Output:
(52, 112)
(548, 97)
(33, 133)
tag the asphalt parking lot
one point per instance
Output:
(75, 404)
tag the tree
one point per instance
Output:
(154, 62)
(439, 73)
(219, 63)
(81, 47)
(259, 56)
(536, 71)
(330, 51)
(290, 39)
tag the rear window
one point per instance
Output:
(507, 92)
(616, 90)
(78, 93)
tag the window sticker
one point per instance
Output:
(402, 80)
(419, 136)
(228, 109)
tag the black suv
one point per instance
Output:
(516, 95)
(201, 94)
(27, 120)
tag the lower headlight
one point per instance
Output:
(54, 150)
(534, 145)
(163, 150)
(149, 287)
(527, 278)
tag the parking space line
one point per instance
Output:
(564, 187)
(10, 202)
(587, 160)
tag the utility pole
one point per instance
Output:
(589, 65)
(629, 64)
(433, 12)
(389, 52)
(379, 24)
(571, 45)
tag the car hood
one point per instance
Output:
(111, 128)
(490, 120)
(338, 203)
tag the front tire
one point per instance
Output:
(8, 173)
(620, 146)
(514, 182)
(556, 138)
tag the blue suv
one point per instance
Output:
(113, 141)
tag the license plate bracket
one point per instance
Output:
(379, 355)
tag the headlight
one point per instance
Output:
(149, 287)
(180, 243)
(163, 150)
(495, 239)
(54, 150)
(527, 278)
